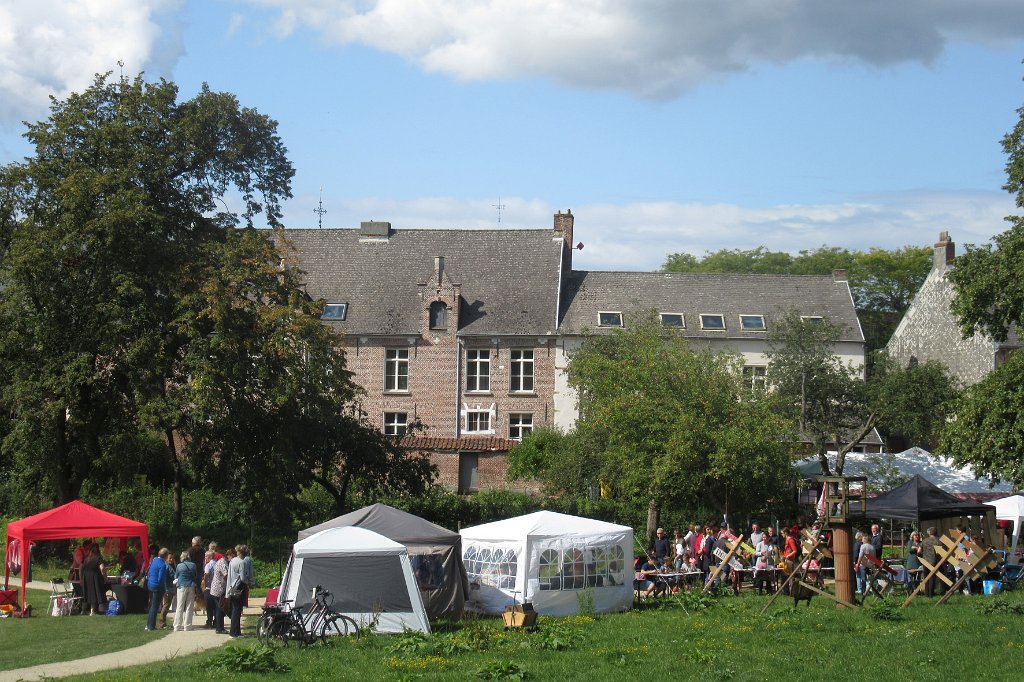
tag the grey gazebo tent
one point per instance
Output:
(435, 553)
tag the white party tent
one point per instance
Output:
(1011, 509)
(548, 559)
(367, 574)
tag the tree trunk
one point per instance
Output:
(652, 518)
(178, 495)
(60, 455)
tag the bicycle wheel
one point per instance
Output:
(275, 633)
(338, 626)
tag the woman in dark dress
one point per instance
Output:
(93, 580)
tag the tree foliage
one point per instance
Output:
(662, 422)
(835, 406)
(141, 331)
(987, 428)
(883, 282)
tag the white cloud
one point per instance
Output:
(639, 236)
(51, 47)
(657, 48)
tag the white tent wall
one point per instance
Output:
(555, 561)
(370, 585)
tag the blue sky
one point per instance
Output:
(665, 125)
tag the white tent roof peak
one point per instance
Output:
(542, 524)
(1009, 508)
(347, 540)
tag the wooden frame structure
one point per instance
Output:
(966, 555)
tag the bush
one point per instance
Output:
(257, 659)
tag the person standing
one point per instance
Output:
(209, 564)
(930, 554)
(93, 580)
(247, 574)
(755, 534)
(876, 540)
(168, 589)
(661, 546)
(235, 580)
(218, 591)
(861, 566)
(156, 583)
(185, 576)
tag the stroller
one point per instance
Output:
(1009, 574)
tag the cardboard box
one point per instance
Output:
(520, 616)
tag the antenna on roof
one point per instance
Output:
(320, 210)
(500, 206)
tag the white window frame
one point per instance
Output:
(522, 371)
(682, 320)
(602, 323)
(478, 421)
(396, 423)
(753, 379)
(339, 312)
(520, 424)
(713, 329)
(394, 360)
(478, 370)
(812, 319)
(745, 328)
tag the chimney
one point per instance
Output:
(375, 229)
(945, 251)
(563, 227)
(840, 275)
(438, 269)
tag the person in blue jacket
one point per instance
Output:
(156, 583)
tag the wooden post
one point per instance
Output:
(843, 562)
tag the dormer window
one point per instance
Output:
(812, 319)
(712, 322)
(609, 319)
(673, 320)
(334, 312)
(752, 323)
(438, 315)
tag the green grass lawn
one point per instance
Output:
(728, 640)
(45, 639)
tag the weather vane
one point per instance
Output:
(500, 206)
(320, 210)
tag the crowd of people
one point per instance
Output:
(197, 577)
(689, 559)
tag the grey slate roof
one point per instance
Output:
(509, 277)
(586, 293)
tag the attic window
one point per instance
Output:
(673, 320)
(752, 323)
(812, 319)
(712, 322)
(609, 319)
(334, 311)
(438, 315)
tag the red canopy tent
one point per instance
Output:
(73, 520)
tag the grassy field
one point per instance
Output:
(727, 640)
(44, 639)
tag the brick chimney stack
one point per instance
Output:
(840, 275)
(945, 251)
(563, 229)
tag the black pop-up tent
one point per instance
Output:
(920, 500)
(924, 503)
(435, 554)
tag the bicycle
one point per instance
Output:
(278, 626)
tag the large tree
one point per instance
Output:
(882, 281)
(664, 424)
(835, 406)
(987, 431)
(135, 312)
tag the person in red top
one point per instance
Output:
(790, 552)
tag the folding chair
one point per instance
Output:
(63, 600)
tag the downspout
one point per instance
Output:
(458, 387)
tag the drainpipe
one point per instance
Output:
(458, 387)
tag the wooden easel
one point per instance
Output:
(724, 560)
(971, 559)
(813, 548)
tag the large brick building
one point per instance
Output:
(469, 332)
